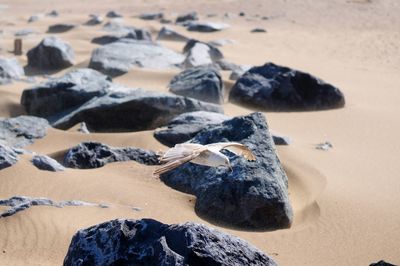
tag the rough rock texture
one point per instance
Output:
(275, 88)
(149, 242)
(192, 16)
(206, 26)
(46, 163)
(254, 195)
(202, 83)
(119, 57)
(113, 14)
(59, 28)
(22, 130)
(21, 203)
(69, 91)
(199, 53)
(146, 109)
(381, 263)
(8, 157)
(10, 70)
(129, 33)
(185, 126)
(51, 53)
(151, 16)
(89, 155)
(168, 34)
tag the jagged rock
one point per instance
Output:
(381, 263)
(59, 28)
(51, 53)
(146, 109)
(83, 128)
(324, 146)
(24, 32)
(206, 26)
(258, 30)
(149, 242)
(21, 203)
(199, 53)
(53, 13)
(168, 34)
(134, 34)
(113, 14)
(119, 57)
(8, 157)
(151, 16)
(185, 126)
(202, 83)
(275, 88)
(89, 155)
(192, 16)
(33, 18)
(10, 70)
(94, 20)
(69, 91)
(254, 194)
(22, 130)
(46, 163)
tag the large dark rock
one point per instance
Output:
(60, 28)
(206, 26)
(184, 18)
(254, 195)
(22, 130)
(10, 70)
(93, 155)
(200, 53)
(119, 57)
(202, 83)
(146, 109)
(51, 53)
(168, 34)
(69, 91)
(149, 242)
(8, 157)
(275, 88)
(46, 163)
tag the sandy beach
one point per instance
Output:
(345, 200)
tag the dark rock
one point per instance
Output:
(199, 53)
(258, 30)
(242, 14)
(134, 34)
(275, 88)
(382, 263)
(281, 140)
(69, 91)
(165, 21)
(149, 242)
(51, 53)
(8, 157)
(53, 13)
(113, 14)
(185, 126)
(94, 20)
(10, 70)
(151, 16)
(168, 34)
(254, 194)
(146, 109)
(33, 18)
(119, 57)
(59, 28)
(202, 83)
(192, 16)
(46, 163)
(206, 26)
(324, 146)
(89, 155)
(22, 130)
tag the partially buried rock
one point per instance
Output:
(254, 194)
(131, 33)
(382, 263)
(258, 30)
(89, 155)
(119, 57)
(168, 34)
(206, 26)
(10, 70)
(202, 83)
(51, 53)
(94, 20)
(200, 54)
(192, 16)
(24, 32)
(151, 16)
(46, 163)
(275, 88)
(33, 18)
(149, 242)
(8, 157)
(113, 14)
(53, 13)
(60, 28)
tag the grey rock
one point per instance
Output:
(24, 32)
(131, 33)
(46, 163)
(151, 16)
(324, 146)
(89, 155)
(8, 157)
(281, 140)
(382, 263)
(275, 88)
(192, 16)
(33, 18)
(94, 20)
(116, 26)
(119, 57)
(206, 26)
(239, 71)
(221, 42)
(10, 70)
(165, 21)
(200, 54)
(258, 30)
(53, 13)
(254, 194)
(146, 109)
(51, 53)
(202, 83)
(185, 126)
(83, 128)
(149, 242)
(22, 130)
(242, 14)
(168, 34)
(113, 14)
(67, 92)
(60, 28)
(21, 203)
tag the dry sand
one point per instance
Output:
(346, 200)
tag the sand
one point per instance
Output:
(346, 200)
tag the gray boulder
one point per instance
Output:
(151, 16)
(51, 53)
(60, 28)
(254, 194)
(202, 83)
(22, 130)
(130, 33)
(46, 163)
(206, 26)
(89, 155)
(185, 18)
(149, 242)
(33, 18)
(67, 92)
(119, 57)
(168, 34)
(8, 157)
(275, 88)
(200, 53)
(10, 70)
(113, 14)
